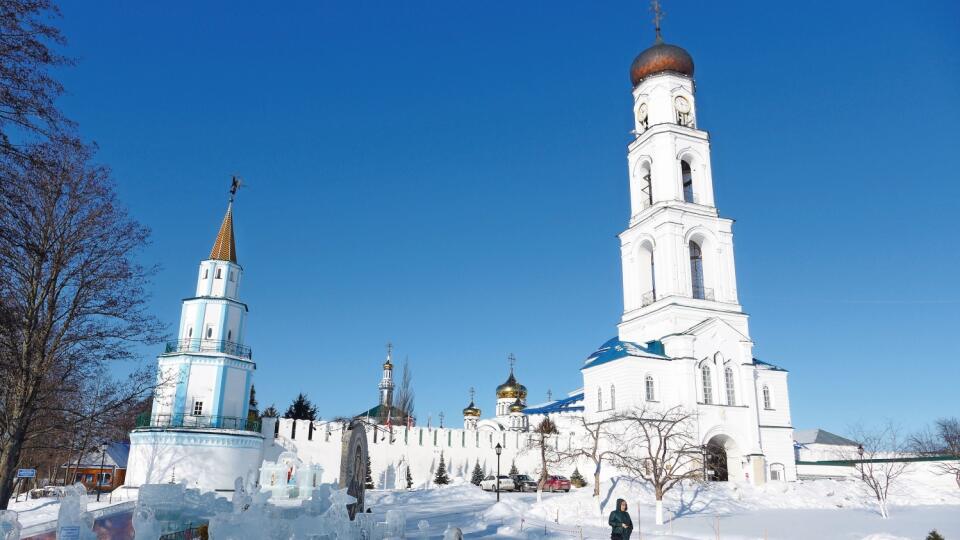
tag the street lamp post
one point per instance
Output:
(99, 481)
(498, 449)
(860, 451)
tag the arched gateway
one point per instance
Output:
(721, 459)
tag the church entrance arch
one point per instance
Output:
(720, 459)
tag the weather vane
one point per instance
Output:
(657, 17)
(235, 184)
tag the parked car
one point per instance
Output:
(557, 483)
(523, 482)
(490, 483)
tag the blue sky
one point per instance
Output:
(452, 176)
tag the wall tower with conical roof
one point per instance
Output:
(204, 377)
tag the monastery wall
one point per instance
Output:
(417, 447)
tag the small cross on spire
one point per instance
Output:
(471, 394)
(549, 395)
(513, 360)
(657, 17)
(441, 418)
(235, 184)
(389, 351)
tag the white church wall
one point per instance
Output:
(203, 377)
(209, 461)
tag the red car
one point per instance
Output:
(557, 483)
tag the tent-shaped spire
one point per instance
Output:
(224, 247)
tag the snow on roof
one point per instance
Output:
(568, 404)
(116, 455)
(614, 349)
(758, 362)
(819, 436)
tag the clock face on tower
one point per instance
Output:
(682, 105)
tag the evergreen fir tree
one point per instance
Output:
(270, 412)
(477, 474)
(441, 479)
(576, 479)
(301, 409)
(513, 469)
(368, 479)
(409, 479)
(934, 535)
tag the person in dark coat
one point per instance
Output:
(620, 521)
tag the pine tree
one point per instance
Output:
(513, 469)
(441, 479)
(253, 412)
(409, 479)
(477, 474)
(270, 412)
(301, 409)
(368, 479)
(934, 535)
(576, 479)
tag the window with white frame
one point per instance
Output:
(728, 381)
(767, 403)
(650, 390)
(613, 397)
(198, 408)
(219, 273)
(209, 332)
(206, 273)
(599, 399)
(707, 385)
(232, 276)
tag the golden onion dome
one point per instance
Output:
(660, 58)
(388, 365)
(511, 389)
(517, 406)
(471, 410)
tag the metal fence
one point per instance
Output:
(209, 345)
(198, 422)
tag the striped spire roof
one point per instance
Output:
(224, 247)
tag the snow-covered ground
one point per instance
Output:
(800, 510)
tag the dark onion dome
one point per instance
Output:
(662, 57)
(511, 388)
(517, 406)
(471, 410)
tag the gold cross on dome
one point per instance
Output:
(471, 394)
(512, 359)
(657, 17)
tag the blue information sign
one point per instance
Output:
(26, 473)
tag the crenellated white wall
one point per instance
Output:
(417, 447)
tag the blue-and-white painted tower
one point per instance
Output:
(198, 429)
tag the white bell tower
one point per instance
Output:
(677, 252)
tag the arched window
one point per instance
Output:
(696, 271)
(190, 332)
(646, 189)
(767, 404)
(219, 273)
(648, 384)
(707, 385)
(613, 397)
(209, 332)
(206, 272)
(728, 380)
(229, 335)
(599, 399)
(687, 176)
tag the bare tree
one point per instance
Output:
(878, 461)
(943, 440)
(27, 90)
(543, 432)
(72, 297)
(658, 447)
(405, 396)
(590, 445)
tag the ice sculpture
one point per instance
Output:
(9, 525)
